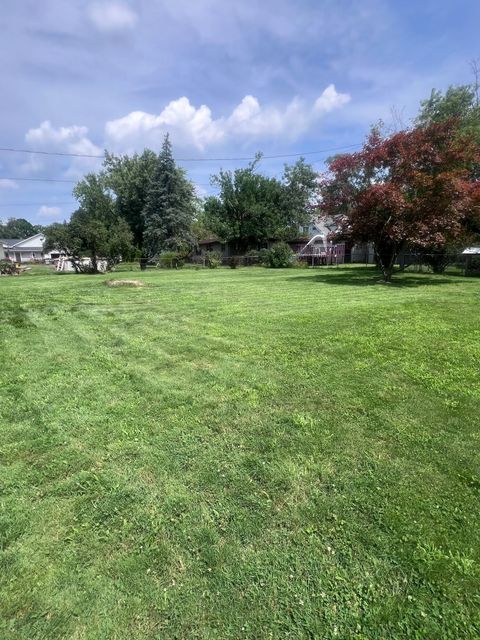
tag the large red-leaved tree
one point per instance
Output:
(414, 188)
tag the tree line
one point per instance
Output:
(18, 228)
(143, 206)
(417, 188)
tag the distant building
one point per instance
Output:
(314, 240)
(319, 226)
(472, 261)
(26, 250)
(213, 243)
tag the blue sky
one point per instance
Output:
(224, 78)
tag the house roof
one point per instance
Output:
(28, 240)
(9, 242)
(210, 240)
(471, 251)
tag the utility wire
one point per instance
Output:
(200, 184)
(280, 155)
(38, 180)
(35, 204)
(51, 153)
(271, 157)
(85, 155)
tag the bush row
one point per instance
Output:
(279, 256)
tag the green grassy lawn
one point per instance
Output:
(240, 454)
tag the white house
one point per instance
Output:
(321, 226)
(26, 250)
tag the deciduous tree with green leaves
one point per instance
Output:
(17, 228)
(95, 229)
(129, 178)
(252, 208)
(459, 103)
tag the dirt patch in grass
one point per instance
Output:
(124, 283)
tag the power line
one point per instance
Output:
(280, 155)
(38, 180)
(237, 159)
(198, 184)
(51, 153)
(35, 204)
(233, 159)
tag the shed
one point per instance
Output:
(472, 261)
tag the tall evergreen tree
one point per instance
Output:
(170, 207)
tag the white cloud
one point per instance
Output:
(49, 212)
(251, 120)
(190, 125)
(46, 134)
(111, 16)
(6, 183)
(69, 140)
(330, 100)
(187, 124)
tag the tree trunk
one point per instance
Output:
(386, 256)
(76, 264)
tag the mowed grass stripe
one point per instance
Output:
(240, 453)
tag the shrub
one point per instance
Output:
(233, 262)
(252, 257)
(170, 260)
(213, 259)
(7, 268)
(473, 266)
(263, 256)
(279, 256)
(439, 259)
(301, 263)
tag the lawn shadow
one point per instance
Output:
(367, 276)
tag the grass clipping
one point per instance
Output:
(124, 283)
